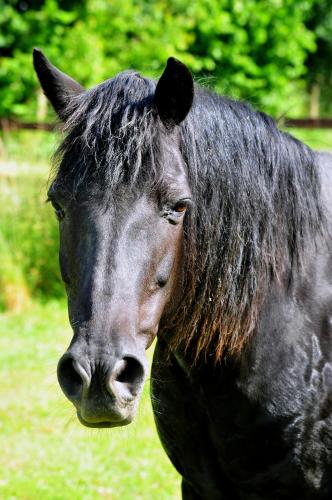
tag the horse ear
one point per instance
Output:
(57, 86)
(174, 92)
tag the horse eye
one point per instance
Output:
(161, 281)
(180, 207)
(59, 211)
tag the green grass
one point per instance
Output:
(45, 452)
(319, 138)
(28, 147)
(28, 233)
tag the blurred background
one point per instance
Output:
(277, 54)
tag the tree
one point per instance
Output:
(24, 25)
(254, 50)
(319, 63)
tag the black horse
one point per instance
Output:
(192, 217)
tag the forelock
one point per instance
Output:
(111, 135)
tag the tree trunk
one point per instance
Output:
(41, 106)
(314, 101)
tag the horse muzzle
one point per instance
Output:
(105, 391)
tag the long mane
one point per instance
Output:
(256, 198)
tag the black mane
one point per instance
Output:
(109, 133)
(256, 195)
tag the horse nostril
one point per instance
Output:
(127, 378)
(72, 377)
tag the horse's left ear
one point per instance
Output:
(57, 86)
(174, 93)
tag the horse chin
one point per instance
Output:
(104, 424)
(116, 417)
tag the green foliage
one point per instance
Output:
(320, 21)
(24, 25)
(255, 50)
(319, 63)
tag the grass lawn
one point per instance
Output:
(45, 452)
(319, 138)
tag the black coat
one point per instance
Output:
(258, 427)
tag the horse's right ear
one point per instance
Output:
(57, 86)
(174, 93)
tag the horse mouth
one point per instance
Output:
(104, 424)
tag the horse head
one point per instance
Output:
(121, 195)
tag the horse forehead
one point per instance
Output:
(123, 225)
(140, 223)
(140, 243)
(171, 156)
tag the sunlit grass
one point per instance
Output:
(26, 147)
(28, 236)
(45, 452)
(319, 138)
